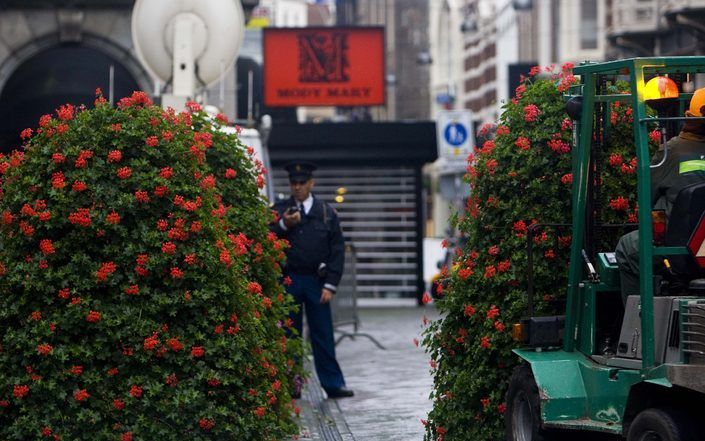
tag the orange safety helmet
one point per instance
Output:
(697, 102)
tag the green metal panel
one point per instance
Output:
(578, 393)
(581, 161)
(586, 330)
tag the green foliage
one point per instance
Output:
(140, 295)
(521, 178)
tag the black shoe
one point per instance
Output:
(342, 392)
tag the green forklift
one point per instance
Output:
(634, 370)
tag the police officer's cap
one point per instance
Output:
(300, 171)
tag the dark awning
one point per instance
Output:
(412, 143)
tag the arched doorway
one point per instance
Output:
(60, 75)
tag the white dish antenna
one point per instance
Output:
(190, 43)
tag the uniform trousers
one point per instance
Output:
(306, 290)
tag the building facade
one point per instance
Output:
(56, 52)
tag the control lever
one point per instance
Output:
(593, 276)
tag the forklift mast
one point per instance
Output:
(593, 96)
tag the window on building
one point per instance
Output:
(588, 25)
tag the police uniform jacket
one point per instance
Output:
(317, 239)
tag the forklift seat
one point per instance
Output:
(685, 216)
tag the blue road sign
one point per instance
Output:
(455, 134)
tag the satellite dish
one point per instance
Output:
(188, 42)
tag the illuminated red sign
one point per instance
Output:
(323, 66)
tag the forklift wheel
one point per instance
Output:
(660, 425)
(522, 420)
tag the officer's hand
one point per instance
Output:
(326, 295)
(292, 219)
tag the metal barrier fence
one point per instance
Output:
(344, 302)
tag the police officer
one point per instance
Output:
(684, 165)
(315, 265)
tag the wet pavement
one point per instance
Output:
(391, 386)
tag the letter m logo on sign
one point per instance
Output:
(323, 57)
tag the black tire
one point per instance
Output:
(522, 419)
(661, 425)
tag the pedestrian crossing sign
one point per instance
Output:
(455, 137)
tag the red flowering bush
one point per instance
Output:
(521, 178)
(140, 294)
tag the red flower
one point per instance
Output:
(81, 395)
(503, 266)
(493, 250)
(150, 343)
(531, 113)
(166, 173)
(485, 342)
(492, 312)
(135, 391)
(93, 317)
(105, 270)
(655, 136)
(230, 173)
(174, 344)
(213, 382)
(206, 423)
(260, 411)
(523, 143)
(426, 299)
(490, 271)
(208, 182)
(485, 401)
(20, 391)
(124, 172)
(58, 180)
(113, 218)
(132, 290)
(464, 273)
(46, 431)
(197, 351)
(127, 436)
(152, 141)
(501, 408)
(168, 248)
(499, 326)
(81, 161)
(469, 310)
(141, 196)
(176, 273)
(81, 217)
(116, 127)
(114, 156)
(616, 160)
(26, 133)
(76, 370)
(118, 404)
(36, 316)
(46, 246)
(225, 258)
(619, 204)
(491, 165)
(190, 259)
(254, 288)
(567, 178)
(65, 112)
(79, 186)
(160, 191)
